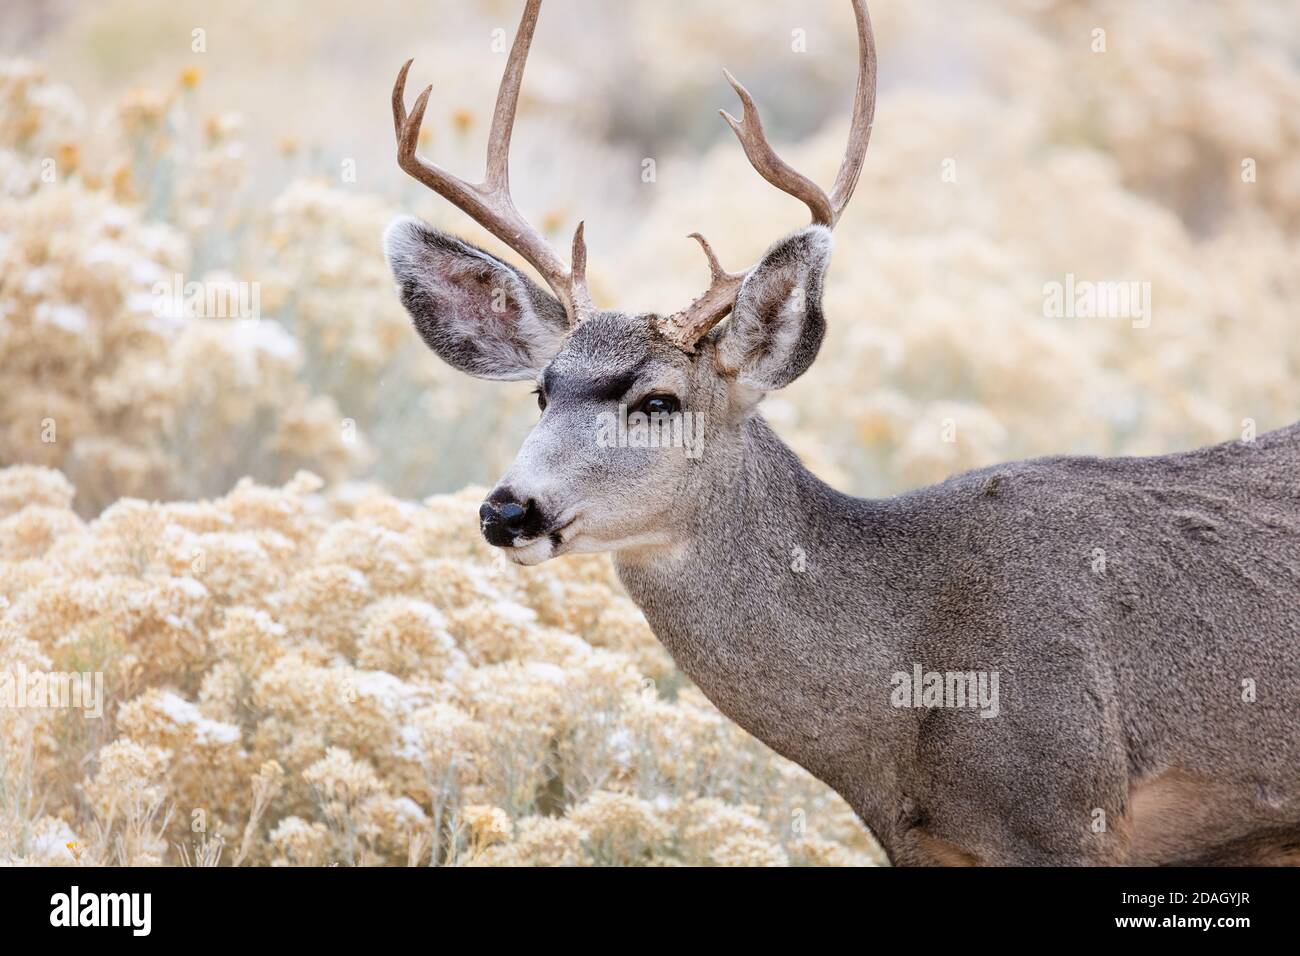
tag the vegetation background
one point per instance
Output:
(260, 531)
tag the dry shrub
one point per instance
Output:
(344, 705)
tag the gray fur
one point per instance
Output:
(479, 314)
(1122, 603)
(776, 327)
(1107, 679)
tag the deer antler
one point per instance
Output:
(489, 202)
(687, 327)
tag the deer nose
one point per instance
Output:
(503, 519)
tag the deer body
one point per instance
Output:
(1129, 626)
(1110, 679)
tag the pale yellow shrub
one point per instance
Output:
(310, 716)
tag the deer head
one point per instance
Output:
(596, 472)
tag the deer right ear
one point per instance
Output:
(479, 314)
(776, 326)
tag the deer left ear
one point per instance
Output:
(776, 326)
(479, 314)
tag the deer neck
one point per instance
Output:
(776, 604)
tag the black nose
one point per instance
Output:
(503, 519)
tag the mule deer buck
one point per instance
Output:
(1145, 710)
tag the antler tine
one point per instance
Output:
(864, 113)
(716, 272)
(749, 130)
(503, 114)
(399, 99)
(578, 273)
(686, 327)
(489, 202)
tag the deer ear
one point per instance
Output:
(776, 325)
(479, 314)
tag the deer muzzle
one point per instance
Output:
(504, 519)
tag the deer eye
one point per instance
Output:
(659, 405)
(541, 398)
